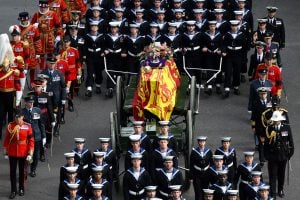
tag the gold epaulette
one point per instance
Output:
(282, 109)
(25, 44)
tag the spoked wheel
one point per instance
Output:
(192, 97)
(189, 145)
(114, 146)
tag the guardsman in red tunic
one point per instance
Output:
(31, 35)
(9, 82)
(76, 5)
(61, 64)
(71, 55)
(61, 10)
(49, 26)
(274, 74)
(21, 51)
(18, 147)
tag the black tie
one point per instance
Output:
(259, 59)
(262, 83)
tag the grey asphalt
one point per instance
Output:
(217, 117)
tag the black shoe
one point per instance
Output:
(70, 108)
(62, 121)
(243, 79)
(32, 174)
(109, 93)
(88, 93)
(208, 92)
(56, 133)
(98, 90)
(21, 192)
(236, 91)
(42, 158)
(281, 193)
(12, 195)
(218, 90)
(47, 145)
(226, 94)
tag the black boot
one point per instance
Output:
(70, 106)
(88, 93)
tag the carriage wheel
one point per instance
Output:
(192, 94)
(119, 98)
(114, 144)
(189, 145)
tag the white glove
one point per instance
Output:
(37, 56)
(249, 111)
(44, 141)
(36, 25)
(28, 158)
(18, 97)
(63, 102)
(57, 39)
(67, 90)
(25, 71)
(78, 77)
(53, 124)
(6, 157)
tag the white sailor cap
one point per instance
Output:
(218, 157)
(114, 24)
(99, 153)
(241, 0)
(198, 1)
(218, 1)
(134, 26)
(277, 116)
(219, 11)
(151, 188)
(71, 170)
(197, 11)
(223, 172)
(232, 192)
(79, 140)
(97, 186)
(168, 158)
(190, 22)
(175, 187)
(201, 138)
(238, 12)
(208, 191)
(94, 23)
(161, 11)
(225, 139)
(141, 10)
(177, 1)
(104, 140)
(135, 138)
(138, 123)
(272, 8)
(73, 186)
(164, 123)
(96, 8)
(136, 156)
(234, 22)
(256, 173)
(178, 10)
(69, 155)
(172, 24)
(97, 169)
(264, 187)
(153, 25)
(248, 153)
(262, 21)
(212, 22)
(119, 9)
(163, 137)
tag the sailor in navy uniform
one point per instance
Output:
(173, 40)
(139, 20)
(244, 171)
(110, 156)
(97, 190)
(63, 190)
(159, 153)
(164, 130)
(212, 172)
(251, 189)
(75, 21)
(138, 127)
(221, 186)
(104, 4)
(264, 193)
(94, 45)
(247, 14)
(98, 161)
(150, 192)
(222, 25)
(201, 23)
(179, 19)
(119, 17)
(276, 25)
(235, 42)
(98, 19)
(176, 193)
(135, 141)
(278, 150)
(83, 156)
(232, 194)
(212, 47)
(162, 23)
(208, 194)
(200, 161)
(134, 44)
(97, 178)
(135, 179)
(229, 154)
(73, 189)
(70, 163)
(153, 35)
(166, 176)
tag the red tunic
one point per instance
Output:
(76, 5)
(49, 28)
(274, 75)
(62, 66)
(60, 8)
(19, 140)
(21, 49)
(9, 81)
(31, 35)
(72, 56)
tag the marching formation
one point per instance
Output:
(68, 42)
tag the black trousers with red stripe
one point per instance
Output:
(13, 163)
